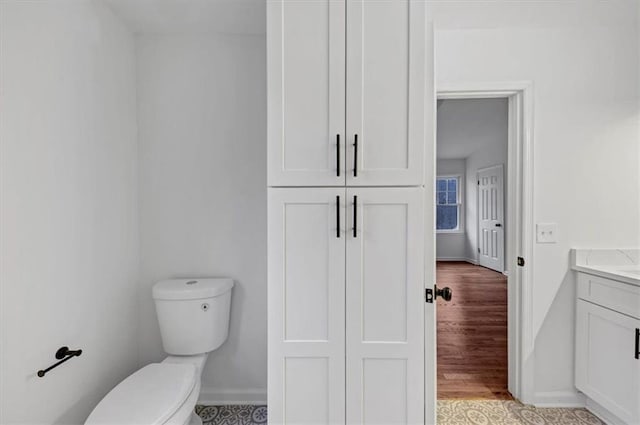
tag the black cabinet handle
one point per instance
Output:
(338, 215)
(338, 155)
(355, 216)
(355, 156)
(637, 343)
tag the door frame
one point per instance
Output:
(504, 217)
(519, 219)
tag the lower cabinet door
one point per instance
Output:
(306, 349)
(607, 367)
(346, 306)
(385, 306)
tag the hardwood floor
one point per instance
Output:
(472, 333)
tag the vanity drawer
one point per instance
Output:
(609, 293)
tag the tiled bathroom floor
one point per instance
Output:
(508, 412)
(450, 412)
(232, 415)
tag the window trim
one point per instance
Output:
(460, 204)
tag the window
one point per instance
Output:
(448, 204)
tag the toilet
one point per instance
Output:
(193, 315)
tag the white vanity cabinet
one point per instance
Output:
(346, 92)
(608, 347)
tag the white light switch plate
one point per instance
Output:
(547, 232)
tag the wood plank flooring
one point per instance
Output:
(472, 333)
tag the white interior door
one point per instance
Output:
(306, 291)
(385, 92)
(385, 306)
(306, 92)
(491, 218)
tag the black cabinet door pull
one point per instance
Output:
(355, 156)
(338, 216)
(355, 216)
(338, 155)
(637, 343)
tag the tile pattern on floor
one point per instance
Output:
(507, 412)
(450, 412)
(232, 414)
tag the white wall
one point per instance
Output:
(68, 208)
(582, 58)
(202, 121)
(451, 245)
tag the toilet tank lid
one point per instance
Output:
(191, 289)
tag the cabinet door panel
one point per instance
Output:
(606, 368)
(306, 306)
(386, 91)
(306, 92)
(385, 306)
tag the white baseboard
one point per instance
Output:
(602, 413)
(559, 399)
(220, 397)
(464, 259)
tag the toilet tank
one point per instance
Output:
(193, 314)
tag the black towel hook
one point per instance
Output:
(63, 353)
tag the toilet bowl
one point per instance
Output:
(193, 315)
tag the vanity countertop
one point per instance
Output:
(622, 265)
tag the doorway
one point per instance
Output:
(472, 328)
(518, 242)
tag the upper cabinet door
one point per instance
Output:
(386, 76)
(306, 92)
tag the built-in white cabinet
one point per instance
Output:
(346, 321)
(346, 120)
(608, 347)
(346, 92)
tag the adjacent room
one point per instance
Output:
(319, 212)
(471, 228)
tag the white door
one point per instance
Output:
(607, 360)
(306, 298)
(386, 47)
(491, 218)
(306, 92)
(385, 306)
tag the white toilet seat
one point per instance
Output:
(157, 394)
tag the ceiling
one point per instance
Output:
(469, 125)
(192, 16)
